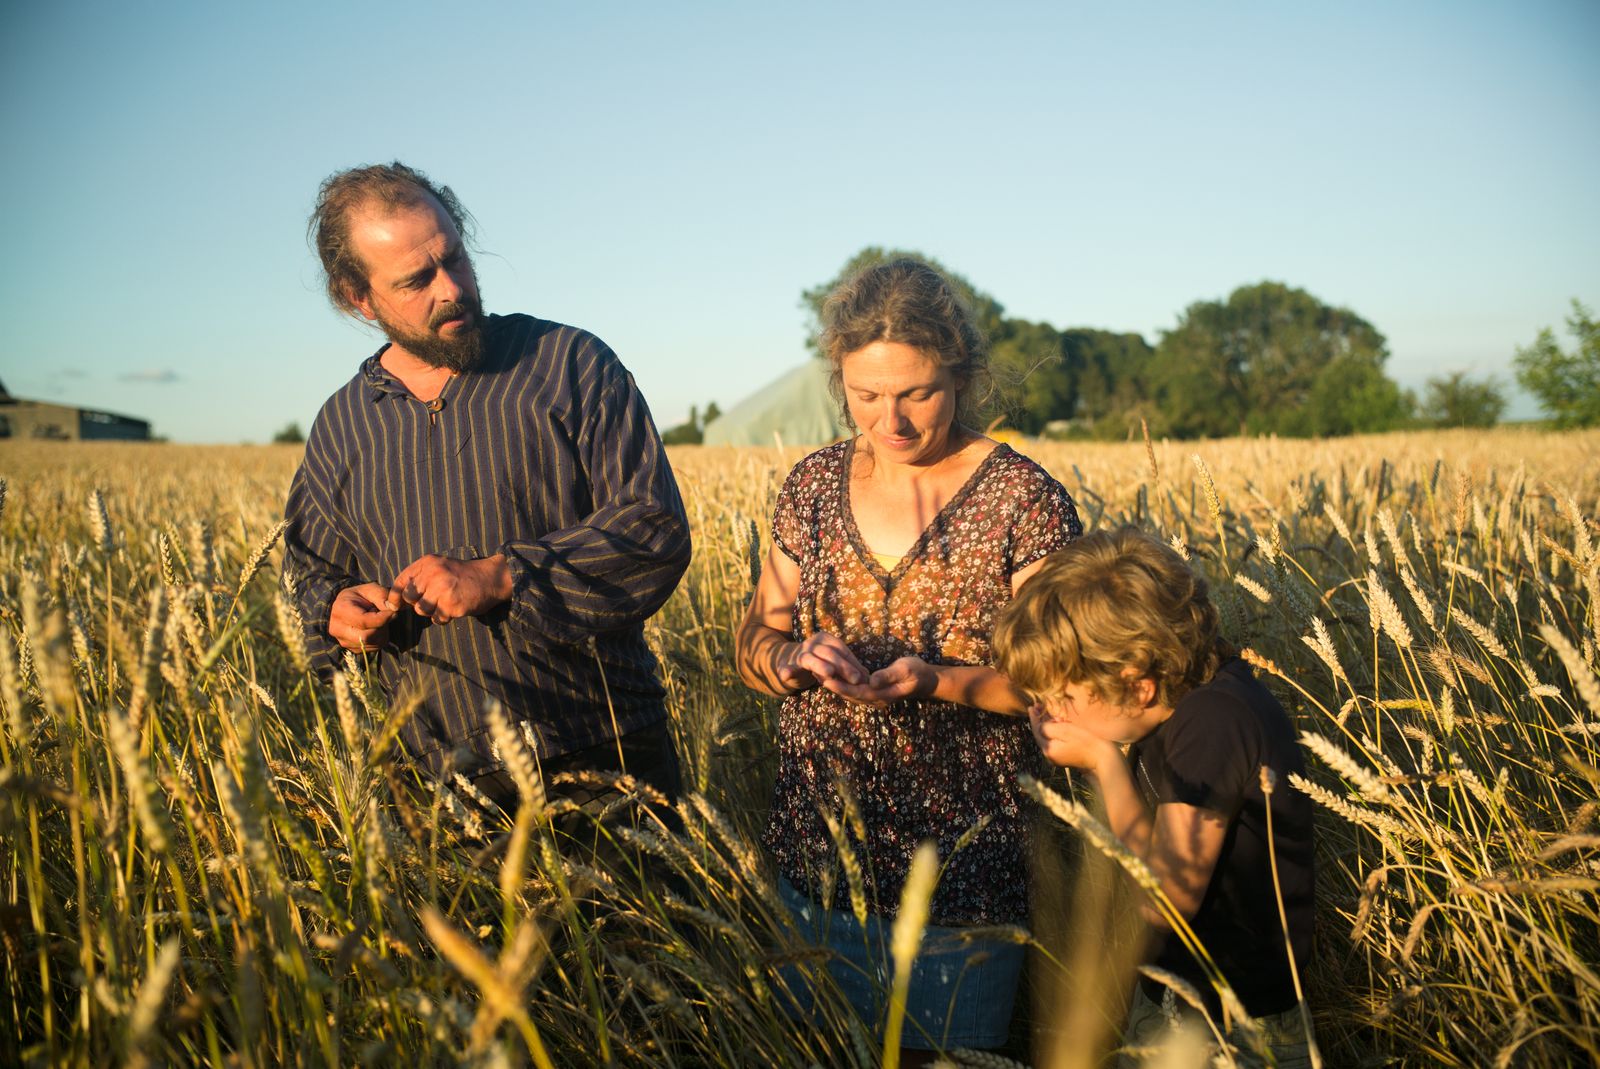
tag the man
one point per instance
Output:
(486, 504)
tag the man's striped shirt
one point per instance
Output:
(545, 452)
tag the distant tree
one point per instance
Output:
(1457, 401)
(691, 432)
(682, 434)
(1272, 359)
(1093, 378)
(1112, 372)
(1033, 382)
(1351, 395)
(1566, 384)
(687, 433)
(289, 435)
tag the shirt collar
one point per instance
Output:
(383, 384)
(378, 379)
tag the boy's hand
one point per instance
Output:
(1066, 744)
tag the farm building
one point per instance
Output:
(42, 419)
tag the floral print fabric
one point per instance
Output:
(917, 769)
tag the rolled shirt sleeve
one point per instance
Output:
(318, 561)
(622, 562)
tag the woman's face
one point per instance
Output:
(901, 399)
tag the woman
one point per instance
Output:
(892, 554)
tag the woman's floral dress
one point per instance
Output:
(917, 769)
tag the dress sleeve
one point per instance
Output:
(1049, 520)
(1213, 749)
(794, 498)
(620, 562)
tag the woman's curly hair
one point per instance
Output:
(910, 302)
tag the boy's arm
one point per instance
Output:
(1180, 843)
(1188, 841)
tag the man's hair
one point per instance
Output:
(388, 185)
(1110, 609)
(910, 302)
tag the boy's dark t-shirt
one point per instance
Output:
(1209, 754)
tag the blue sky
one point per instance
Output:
(671, 176)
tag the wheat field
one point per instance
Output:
(211, 858)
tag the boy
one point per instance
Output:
(1118, 639)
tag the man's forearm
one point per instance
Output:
(593, 578)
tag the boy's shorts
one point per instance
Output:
(1151, 1024)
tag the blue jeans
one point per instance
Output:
(961, 991)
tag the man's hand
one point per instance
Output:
(359, 618)
(822, 659)
(1070, 746)
(908, 677)
(445, 589)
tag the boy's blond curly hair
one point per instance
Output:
(1109, 609)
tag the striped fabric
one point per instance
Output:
(546, 453)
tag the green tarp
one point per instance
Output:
(795, 409)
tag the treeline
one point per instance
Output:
(693, 430)
(1268, 359)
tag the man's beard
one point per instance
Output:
(460, 353)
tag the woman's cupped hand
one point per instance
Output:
(824, 660)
